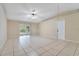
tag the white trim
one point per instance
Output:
(72, 41)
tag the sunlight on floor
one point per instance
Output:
(24, 40)
(38, 46)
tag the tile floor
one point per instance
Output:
(39, 46)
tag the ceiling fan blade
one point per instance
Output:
(40, 16)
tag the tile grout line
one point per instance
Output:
(43, 52)
(30, 51)
(13, 48)
(49, 49)
(41, 47)
(46, 50)
(75, 50)
(61, 50)
(3, 47)
(47, 44)
(23, 50)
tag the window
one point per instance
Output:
(24, 29)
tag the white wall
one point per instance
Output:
(48, 29)
(34, 27)
(3, 27)
(13, 29)
(72, 27)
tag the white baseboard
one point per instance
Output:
(63, 39)
(72, 41)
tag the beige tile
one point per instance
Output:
(46, 48)
(54, 44)
(7, 51)
(47, 54)
(38, 46)
(41, 50)
(53, 51)
(7, 54)
(17, 48)
(68, 50)
(1, 49)
(77, 51)
(29, 49)
(56, 49)
(33, 53)
(20, 53)
(60, 46)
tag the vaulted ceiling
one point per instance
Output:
(36, 12)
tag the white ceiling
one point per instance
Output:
(20, 11)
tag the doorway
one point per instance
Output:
(24, 29)
(61, 30)
(24, 34)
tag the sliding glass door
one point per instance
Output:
(24, 29)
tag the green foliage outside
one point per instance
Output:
(23, 28)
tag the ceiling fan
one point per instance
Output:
(33, 14)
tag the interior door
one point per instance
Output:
(61, 30)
